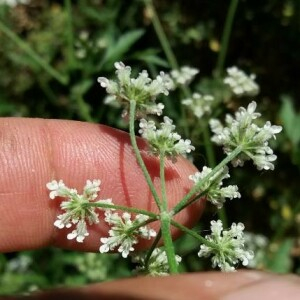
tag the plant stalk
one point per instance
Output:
(183, 203)
(226, 36)
(138, 154)
(33, 55)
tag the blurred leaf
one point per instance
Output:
(280, 261)
(150, 56)
(104, 15)
(117, 50)
(82, 87)
(290, 120)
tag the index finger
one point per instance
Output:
(35, 151)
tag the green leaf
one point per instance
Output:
(290, 120)
(280, 261)
(117, 50)
(150, 56)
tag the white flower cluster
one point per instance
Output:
(227, 246)
(13, 3)
(142, 89)
(184, 75)
(199, 104)
(164, 140)
(241, 131)
(157, 264)
(257, 243)
(77, 210)
(240, 83)
(86, 45)
(215, 193)
(93, 266)
(124, 232)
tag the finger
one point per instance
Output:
(209, 286)
(35, 151)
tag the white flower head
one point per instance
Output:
(164, 139)
(240, 83)
(184, 75)
(142, 89)
(157, 264)
(215, 193)
(242, 131)
(199, 104)
(125, 232)
(77, 211)
(226, 246)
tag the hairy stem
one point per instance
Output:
(165, 220)
(193, 234)
(125, 208)
(185, 200)
(163, 181)
(138, 154)
(212, 163)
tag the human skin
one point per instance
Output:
(35, 151)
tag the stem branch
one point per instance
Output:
(138, 154)
(197, 187)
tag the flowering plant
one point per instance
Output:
(242, 139)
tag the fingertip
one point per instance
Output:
(36, 151)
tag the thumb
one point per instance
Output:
(36, 151)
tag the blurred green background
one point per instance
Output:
(52, 52)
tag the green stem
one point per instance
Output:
(161, 35)
(212, 162)
(124, 208)
(195, 199)
(226, 36)
(208, 146)
(138, 154)
(197, 187)
(163, 181)
(165, 219)
(193, 234)
(168, 242)
(33, 55)
(169, 55)
(133, 228)
(70, 34)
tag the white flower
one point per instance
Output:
(124, 232)
(58, 189)
(227, 246)
(184, 75)
(240, 83)
(77, 211)
(157, 264)
(142, 89)
(215, 193)
(199, 104)
(164, 139)
(241, 131)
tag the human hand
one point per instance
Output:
(34, 151)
